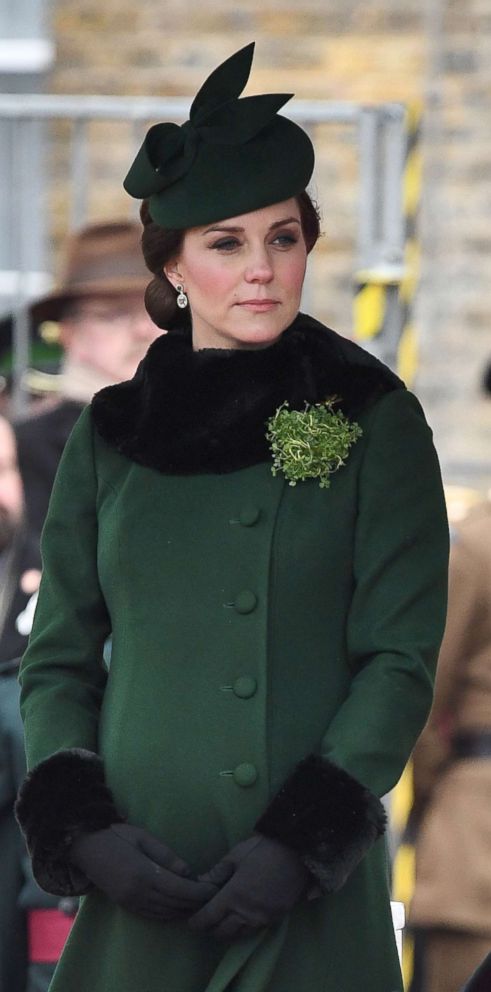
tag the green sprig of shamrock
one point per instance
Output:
(311, 443)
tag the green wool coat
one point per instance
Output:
(253, 623)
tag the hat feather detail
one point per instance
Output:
(240, 120)
(225, 83)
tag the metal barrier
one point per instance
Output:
(381, 133)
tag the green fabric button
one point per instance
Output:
(246, 601)
(245, 686)
(249, 515)
(245, 775)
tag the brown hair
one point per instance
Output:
(310, 219)
(160, 245)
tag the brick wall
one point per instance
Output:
(340, 50)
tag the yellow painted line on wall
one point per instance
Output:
(408, 354)
(412, 263)
(402, 798)
(403, 870)
(402, 889)
(407, 960)
(411, 190)
(403, 874)
(369, 311)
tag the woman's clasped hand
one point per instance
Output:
(139, 872)
(259, 881)
(253, 886)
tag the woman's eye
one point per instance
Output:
(285, 240)
(225, 244)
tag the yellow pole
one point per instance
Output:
(411, 195)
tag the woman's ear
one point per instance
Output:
(171, 271)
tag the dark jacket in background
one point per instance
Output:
(13, 944)
(19, 892)
(41, 438)
(21, 556)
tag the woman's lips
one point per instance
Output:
(258, 306)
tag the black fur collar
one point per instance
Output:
(191, 411)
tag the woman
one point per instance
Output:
(258, 518)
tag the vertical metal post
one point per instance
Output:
(411, 196)
(377, 312)
(137, 133)
(393, 232)
(394, 148)
(79, 174)
(22, 165)
(368, 206)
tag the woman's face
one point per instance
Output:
(243, 276)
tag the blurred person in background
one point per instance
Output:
(33, 924)
(104, 331)
(19, 552)
(13, 943)
(451, 906)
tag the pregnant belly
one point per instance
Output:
(170, 764)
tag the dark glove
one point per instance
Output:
(137, 871)
(260, 880)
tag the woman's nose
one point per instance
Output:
(259, 269)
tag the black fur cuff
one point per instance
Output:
(61, 798)
(327, 816)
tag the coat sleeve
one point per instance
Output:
(329, 809)
(63, 678)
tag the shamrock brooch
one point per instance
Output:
(311, 443)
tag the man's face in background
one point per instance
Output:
(110, 334)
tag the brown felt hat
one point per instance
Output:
(98, 260)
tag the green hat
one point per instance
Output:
(230, 157)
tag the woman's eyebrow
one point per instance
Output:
(229, 228)
(240, 230)
(281, 223)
